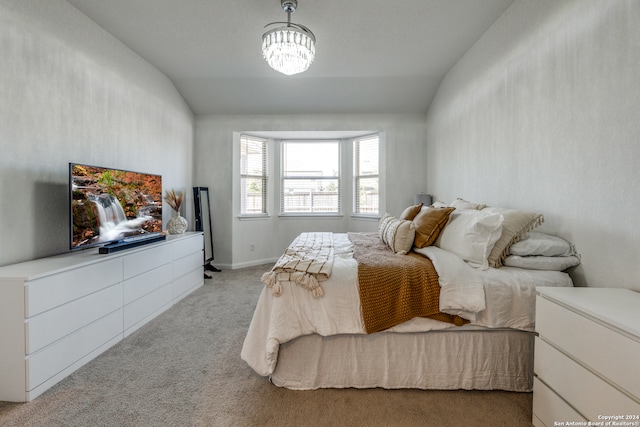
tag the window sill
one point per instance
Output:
(311, 215)
(366, 217)
(253, 217)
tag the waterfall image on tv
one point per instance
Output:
(108, 205)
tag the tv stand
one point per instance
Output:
(58, 313)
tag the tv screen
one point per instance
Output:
(109, 205)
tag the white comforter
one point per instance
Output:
(494, 298)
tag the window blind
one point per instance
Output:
(253, 175)
(366, 175)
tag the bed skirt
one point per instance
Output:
(470, 359)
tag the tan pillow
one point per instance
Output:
(397, 234)
(429, 222)
(410, 212)
(516, 225)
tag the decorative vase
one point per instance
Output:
(177, 224)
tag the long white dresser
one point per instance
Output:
(58, 313)
(587, 357)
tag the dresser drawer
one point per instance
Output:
(51, 291)
(55, 324)
(188, 245)
(602, 349)
(548, 407)
(146, 307)
(187, 264)
(54, 358)
(139, 262)
(147, 282)
(587, 393)
(187, 282)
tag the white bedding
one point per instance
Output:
(493, 298)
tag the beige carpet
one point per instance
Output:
(184, 369)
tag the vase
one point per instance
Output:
(177, 224)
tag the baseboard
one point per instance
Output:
(246, 264)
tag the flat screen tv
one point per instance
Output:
(112, 205)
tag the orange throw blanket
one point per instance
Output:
(395, 288)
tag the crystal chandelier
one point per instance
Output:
(289, 49)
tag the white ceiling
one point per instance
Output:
(372, 56)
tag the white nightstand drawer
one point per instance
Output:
(586, 392)
(602, 349)
(555, 409)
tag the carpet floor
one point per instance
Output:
(184, 369)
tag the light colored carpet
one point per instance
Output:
(184, 369)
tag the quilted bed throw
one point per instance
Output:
(395, 288)
(307, 261)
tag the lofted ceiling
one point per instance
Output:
(372, 56)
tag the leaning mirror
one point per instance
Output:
(203, 223)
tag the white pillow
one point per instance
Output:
(397, 234)
(471, 234)
(553, 263)
(536, 243)
(464, 204)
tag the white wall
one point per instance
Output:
(543, 114)
(405, 176)
(70, 92)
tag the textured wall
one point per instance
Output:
(542, 114)
(404, 154)
(70, 92)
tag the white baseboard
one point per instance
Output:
(245, 264)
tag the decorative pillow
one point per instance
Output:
(410, 212)
(429, 222)
(384, 223)
(463, 204)
(553, 263)
(397, 234)
(515, 226)
(471, 234)
(542, 244)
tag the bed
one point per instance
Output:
(309, 330)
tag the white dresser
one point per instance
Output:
(58, 313)
(587, 357)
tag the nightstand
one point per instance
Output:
(587, 357)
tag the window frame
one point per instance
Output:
(264, 177)
(358, 176)
(284, 177)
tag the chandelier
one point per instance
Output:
(289, 49)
